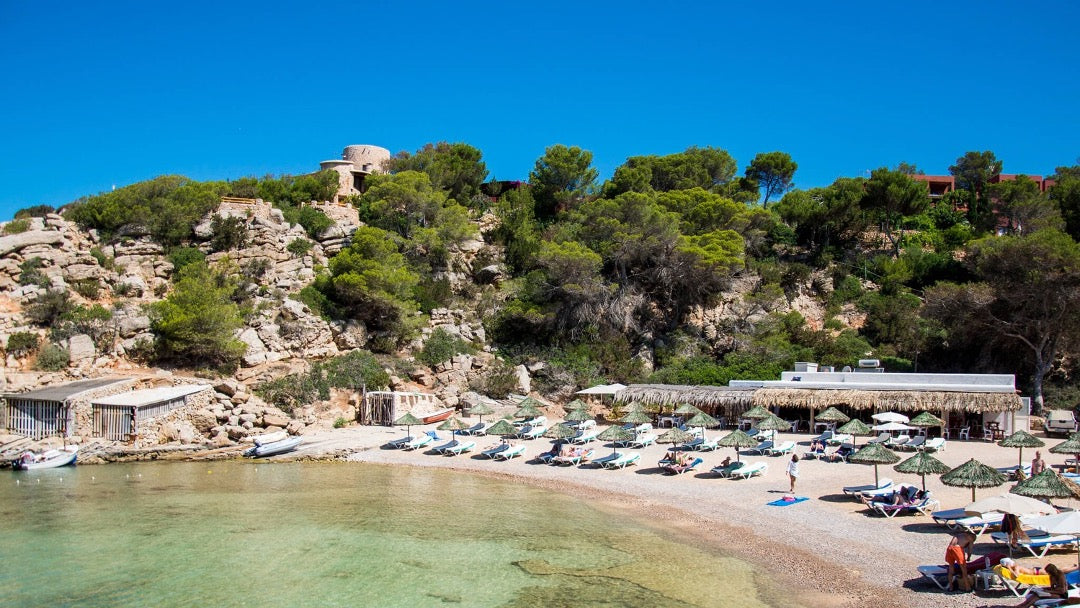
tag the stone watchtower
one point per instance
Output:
(357, 162)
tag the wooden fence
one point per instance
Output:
(39, 419)
(120, 422)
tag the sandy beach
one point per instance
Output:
(828, 551)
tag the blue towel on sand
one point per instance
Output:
(784, 503)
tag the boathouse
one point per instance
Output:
(117, 417)
(383, 407)
(50, 411)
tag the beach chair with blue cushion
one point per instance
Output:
(510, 453)
(623, 461)
(603, 460)
(920, 506)
(727, 470)
(679, 469)
(1038, 543)
(977, 524)
(709, 445)
(399, 442)
(531, 432)
(460, 448)
(914, 443)
(575, 457)
(883, 483)
(439, 449)
(749, 470)
(840, 439)
(475, 430)
(491, 452)
(762, 447)
(584, 436)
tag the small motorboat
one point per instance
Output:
(274, 448)
(46, 460)
(271, 438)
(438, 416)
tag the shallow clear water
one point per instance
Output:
(335, 534)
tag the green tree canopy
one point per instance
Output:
(892, 196)
(370, 281)
(773, 172)
(562, 178)
(195, 323)
(457, 169)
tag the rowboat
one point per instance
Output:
(275, 448)
(46, 460)
(438, 416)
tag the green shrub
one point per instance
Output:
(35, 211)
(228, 233)
(48, 308)
(16, 226)
(22, 343)
(103, 260)
(30, 273)
(89, 288)
(142, 351)
(433, 293)
(498, 382)
(441, 346)
(299, 247)
(52, 358)
(182, 256)
(340, 422)
(315, 300)
(355, 370)
(123, 290)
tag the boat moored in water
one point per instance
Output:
(50, 459)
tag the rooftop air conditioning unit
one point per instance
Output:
(803, 366)
(864, 363)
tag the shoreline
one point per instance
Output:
(826, 552)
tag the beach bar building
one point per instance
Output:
(117, 417)
(51, 411)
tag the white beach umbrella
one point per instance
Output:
(1066, 522)
(892, 426)
(890, 417)
(1010, 503)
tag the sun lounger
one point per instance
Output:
(914, 443)
(935, 444)
(546, 457)
(490, 453)
(531, 432)
(509, 453)
(897, 442)
(823, 437)
(418, 443)
(939, 575)
(679, 469)
(840, 455)
(922, 506)
(761, 435)
(786, 447)
(726, 471)
(762, 447)
(1019, 584)
(978, 524)
(875, 493)
(574, 458)
(475, 430)
(399, 442)
(1038, 544)
(584, 436)
(882, 484)
(1010, 472)
(439, 449)
(460, 448)
(580, 425)
(642, 441)
(538, 421)
(749, 470)
(840, 439)
(600, 462)
(882, 437)
(948, 517)
(709, 445)
(623, 461)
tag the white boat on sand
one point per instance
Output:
(274, 448)
(46, 460)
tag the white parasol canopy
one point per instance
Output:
(602, 389)
(890, 417)
(1010, 503)
(892, 426)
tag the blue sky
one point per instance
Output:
(101, 94)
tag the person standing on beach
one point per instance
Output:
(956, 555)
(1038, 465)
(793, 471)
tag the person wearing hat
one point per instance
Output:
(1017, 569)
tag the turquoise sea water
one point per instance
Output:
(336, 534)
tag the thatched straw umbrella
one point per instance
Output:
(973, 474)
(775, 424)
(1069, 446)
(737, 439)
(1021, 439)
(579, 416)
(875, 454)
(560, 433)
(528, 409)
(832, 415)
(502, 428)
(675, 436)
(576, 404)
(453, 425)
(703, 420)
(854, 428)
(636, 417)
(922, 464)
(407, 421)
(757, 413)
(615, 434)
(926, 419)
(481, 410)
(1047, 484)
(686, 408)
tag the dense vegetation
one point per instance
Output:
(612, 280)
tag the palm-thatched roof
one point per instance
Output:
(703, 419)
(675, 435)
(861, 399)
(616, 433)
(855, 427)
(453, 424)
(636, 417)
(1021, 439)
(1069, 446)
(711, 397)
(1047, 484)
(973, 474)
(737, 439)
(874, 453)
(481, 409)
(559, 431)
(579, 415)
(774, 423)
(503, 427)
(832, 415)
(922, 464)
(926, 419)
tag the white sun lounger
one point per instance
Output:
(584, 436)
(439, 449)
(643, 440)
(784, 448)
(1038, 545)
(749, 470)
(399, 442)
(509, 453)
(531, 432)
(418, 443)
(762, 447)
(937, 575)
(460, 448)
(490, 453)
(840, 439)
(623, 461)
(475, 430)
(935, 444)
(914, 443)
(978, 524)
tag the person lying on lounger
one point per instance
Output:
(1017, 569)
(1059, 588)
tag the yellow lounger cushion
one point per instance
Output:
(1036, 580)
